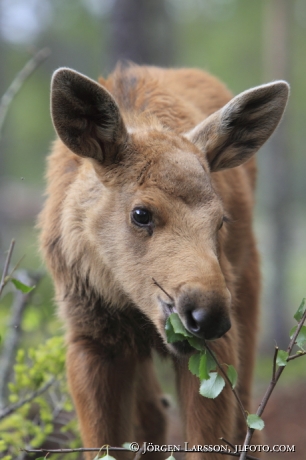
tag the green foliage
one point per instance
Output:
(212, 387)
(281, 358)
(175, 329)
(127, 445)
(301, 338)
(255, 422)
(21, 286)
(194, 364)
(31, 372)
(232, 375)
(300, 311)
(171, 457)
(201, 363)
(105, 457)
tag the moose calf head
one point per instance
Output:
(151, 211)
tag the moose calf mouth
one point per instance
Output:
(182, 348)
(192, 322)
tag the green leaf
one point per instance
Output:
(281, 358)
(211, 363)
(300, 311)
(232, 375)
(171, 335)
(104, 457)
(21, 286)
(292, 331)
(212, 387)
(178, 326)
(108, 457)
(301, 338)
(203, 371)
(196, 343)
(194, 364)
(127, 445)
(255, 422)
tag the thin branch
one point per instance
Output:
(139, 453)
(10, 409)
(14, 332)
(274, 363)
(6, 266)
(160, 287)
(16, 266)
(19, 80)
(279, 372)
(242, 409)
(228, 443)
(98, 449)
(79, 449)
(297, 355)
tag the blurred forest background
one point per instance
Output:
(244, 43)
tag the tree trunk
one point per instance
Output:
(141, 31)
(278, 200)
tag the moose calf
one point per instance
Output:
(152, 178)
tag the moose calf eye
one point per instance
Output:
(141, 216)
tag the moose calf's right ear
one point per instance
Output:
(86, 116)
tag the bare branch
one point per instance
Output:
(18, 81)
(274, 363)
(98, 449)
(79, 449)
(160, 287)
(6, 266)
(10, 409)
(139, 453)
(228, 443)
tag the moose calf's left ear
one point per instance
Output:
(86, 116)
(230, 136)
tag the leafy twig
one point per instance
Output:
(6, 266)
(18, 81)
(273, 382)
(13, 335)
(242, 409)
(297, 355)
(10, 409)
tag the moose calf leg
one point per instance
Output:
(103, 391)
(206, 420)
(151, 412)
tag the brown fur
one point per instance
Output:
(154, 138)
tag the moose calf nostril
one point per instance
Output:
(195, 320)
(206, 325)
